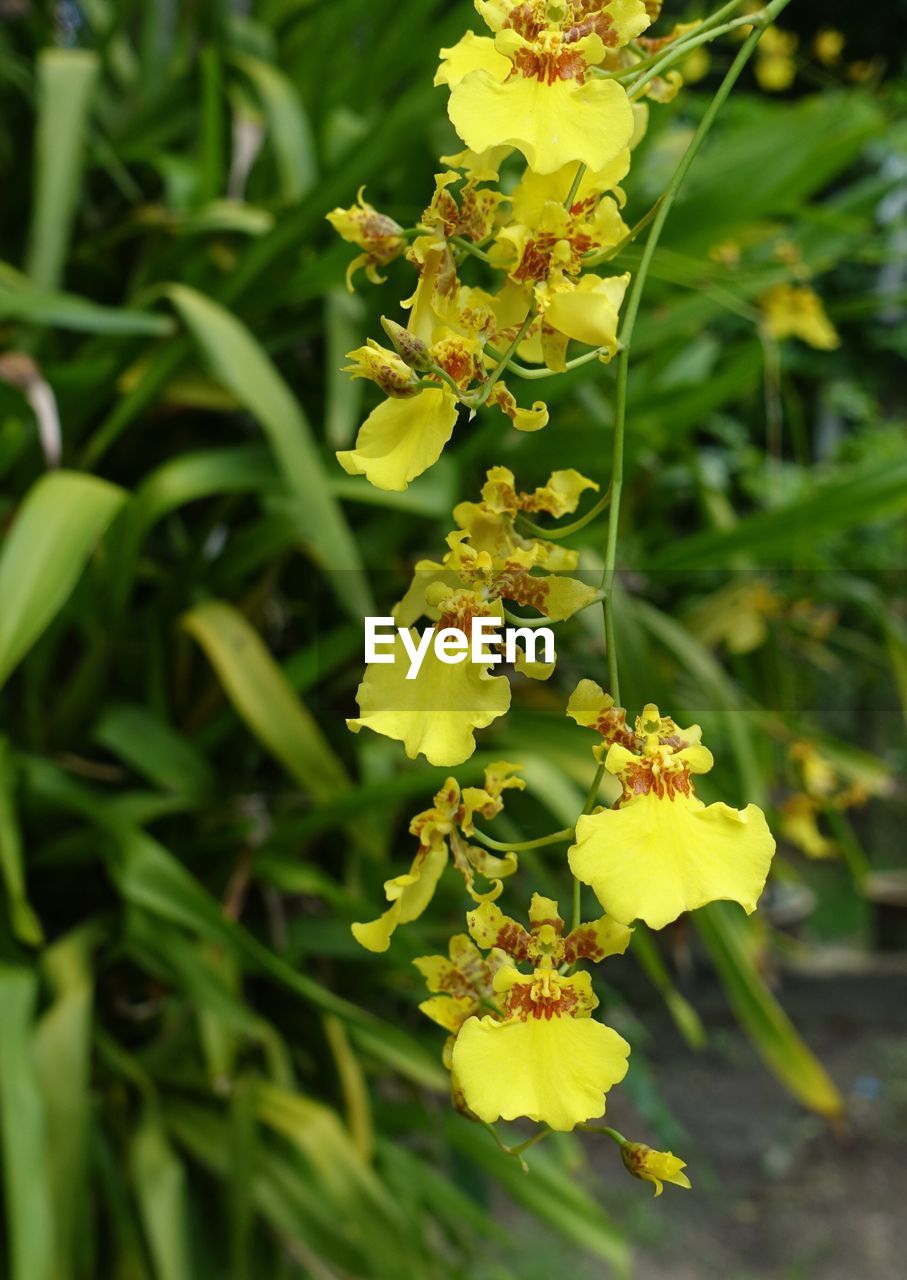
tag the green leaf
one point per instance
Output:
(237, 360)
(69, 311)
(868, 493)
(23, 921)
(265, 700)
(66, 80)
(724, 931)
(160, 1186)
(155, 750)
(59, 524)
(288, 125)
(63, 1059)
(29, 1218)
(175, 483)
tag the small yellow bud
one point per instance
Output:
(385, 368)
(411, 350)
(653, 1166)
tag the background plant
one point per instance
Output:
(196, 1065)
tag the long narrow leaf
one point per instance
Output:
(58, 526)
(29, 1220)
(66, 80)
(768, 1026)
(236, 360)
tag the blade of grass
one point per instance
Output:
(66, 81)
(29, 1214)
(237, 360)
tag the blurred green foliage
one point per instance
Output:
(200, 1075)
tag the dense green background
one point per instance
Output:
(200, 1074)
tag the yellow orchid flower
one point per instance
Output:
(460, 985)
(490, 523)
(542, 1056)
(657, 1167)
(406, 433)
(796, 311)
(469, 212)
(736, 616)
(545, 939)
(441, 831)
(532, 86)
(587, 310)
(661, 851)
(800, 825)
(487, 554)
(436, 713)
(444, 342)
(386, 369)
(543, 238)
(380, 236)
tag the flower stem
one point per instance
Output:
(633, 303)
(556, 837)
(686, 42)
(468, 247)
(504, 362)
(517, 1152)
(564, 531)
(522, 371)
(606, 255)
(679, 51)
(606, 1130)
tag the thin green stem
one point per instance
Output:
(517, 1152)
(633, 304)
(522, 371)
(556, 837)
(438, 372)
(468, 247)
(530, 1142)
(565, 530)
(592, 794)
(676, 53)
(531, 622)
(606, 1130)
(501, 367)
(684, 44)
(607, 255)
(577, 904)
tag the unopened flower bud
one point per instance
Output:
(412, 350)
(385, 368)
(654, 1166)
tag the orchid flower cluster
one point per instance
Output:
(549, 103)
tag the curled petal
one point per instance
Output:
(523, 419)
(408, 894)
(471, 53)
